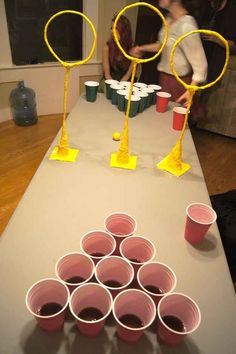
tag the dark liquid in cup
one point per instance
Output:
(90, 314)
(131, 320)
(75, 280)
(136, 260)
(174, 323)
(49, 309)
(113, 283)
(97, 254)
(154, 289)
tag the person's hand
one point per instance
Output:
(184, 99)
(136, 52)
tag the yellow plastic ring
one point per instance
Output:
(194, 87)
(117, 39)
(64, 63)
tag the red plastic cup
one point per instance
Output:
(74, 269)
(115, 273)
(178, 117)
(133, 311)
(199, 219)
(137, 250)
(156, 279)
(98, 244)
(120, 225)
(178, 315)
(47, 300)
(162, 101)
(90, 304)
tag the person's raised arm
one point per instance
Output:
(138, 50)
(105, 61)
(128, 73)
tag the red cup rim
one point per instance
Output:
(125, 214)
(205, 205)
(173, 331)
(180, 110)
(104, 232)
(50, 316)
(149, 292)
(141, 237)
(74, 284)
(100, 319)
(123, 325)
(109, 287)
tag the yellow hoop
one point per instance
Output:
(117, 39)
(194, 87)
(64, 63)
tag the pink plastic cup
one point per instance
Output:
(133, 311)
(90, 304)
(156, 279)
(178, 117)
(199, 219)
(115, 273)
(74, 269)
(162, 101)
(137, 250)
(120, 225)
(178, 315)
(98, 244)
(47, 300)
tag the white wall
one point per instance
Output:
(48, 79)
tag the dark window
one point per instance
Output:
(26, 20)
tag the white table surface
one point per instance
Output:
(66, 200)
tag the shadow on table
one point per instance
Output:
(36, 341)
(187, 347)
(143, 346)
(207, 248)
(88, 345)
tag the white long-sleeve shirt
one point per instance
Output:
(189, 56)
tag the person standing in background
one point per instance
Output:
(115, 65)
(189, 60)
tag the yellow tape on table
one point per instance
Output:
(122, 159)
(62, 152)
(173, 161)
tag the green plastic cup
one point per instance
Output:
(150, 91)
(156, 88)
(121, 99)
(140, 85)
(134, 105)
(143, 101)
(114, 95)
(91, 90)
(108, 84)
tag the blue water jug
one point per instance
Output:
(23, 105)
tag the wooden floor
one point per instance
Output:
(22, 149)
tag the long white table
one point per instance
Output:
(66, 200)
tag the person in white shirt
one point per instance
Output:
(189, 60)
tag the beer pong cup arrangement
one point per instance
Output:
(118, 93)
(178, 315)
(199, 219)
(162, 101)
(178, 117)
(47, 301)
(91, 90)
(97, 282)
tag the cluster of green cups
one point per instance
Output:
(143, 95)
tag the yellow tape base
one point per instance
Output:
(70, 156)
(131, 165)
(177, 171)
